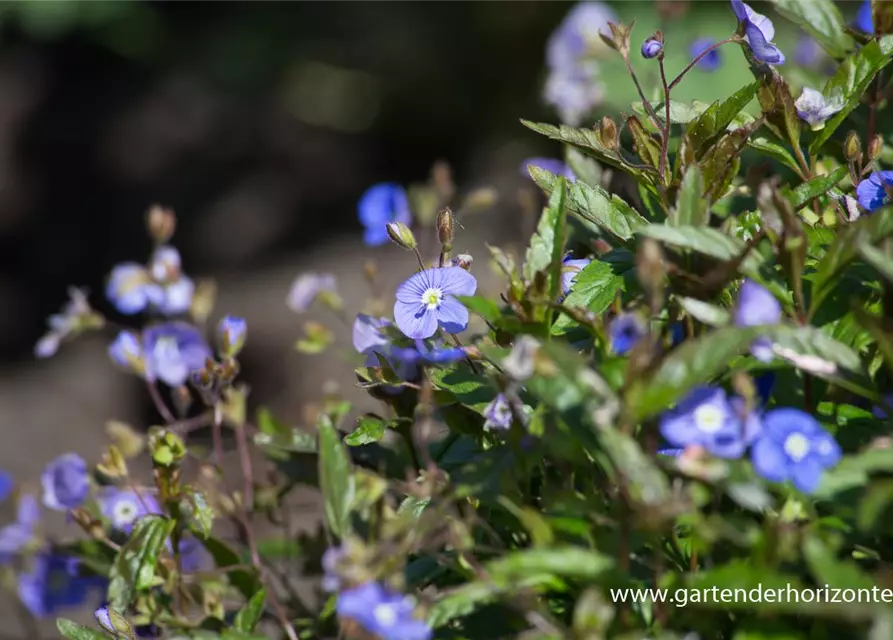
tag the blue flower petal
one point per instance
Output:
(807, 475)
(769, 459)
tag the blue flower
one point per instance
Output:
(670, 452)
(436, 354)
(808, 52)
(66, 482)
(126, 350)
(131, 289)
(814, 109)
(625, 331)
(706, 418)
(331, 580)
(176, 289)
(872, 191)
(6, 485)
(193, 555)
(231, 333)
(569, 270)
(879, 411)
(794, 446)
(574, 94)
(305, 289)
(172, 351)
(427, 300)
(123, 507)
(113, 622)
(75, 314)
(13, 537)
(764, 384)
(552, 165)
(382, 613)
(498, 413)
(578, 34)
(864, 18)
(758, 32)
(757, 306)
(381, 204)
(369, 339)
(54, 583)
(677, 334)
(652, 48)
(709, 62)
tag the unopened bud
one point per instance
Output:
(113, 464)
(167, 447)
(653, 46)
(875, 147)
(852, 147)
(401, 235)
(608, 133)
(444, 224)
(160, 223)
(229, 369)
(231, 335)
(113, 622)
(203, 378)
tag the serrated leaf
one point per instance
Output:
(75, 631)
(715, 119)
(547, 243)
(595, 288)
(134, 566)
(594, 205)
(335, 478)
(248, 616)
(822, 20)
(370, 428)
(709, 314)
(818, 186)
(851, 81)
(197, 512)
(692, 210)
(680, 113)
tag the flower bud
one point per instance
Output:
(127, 352)
(608, 133)
(231, 335)
(463, 260)
(114, 623)
(444, 224)
(653, 46)
(167, 447)
(875, 147)
(160, 223)
(113, 464)
(852, 147)
(401, 235)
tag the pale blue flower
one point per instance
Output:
(864, 18)
(757, 306)
(66, 482)
(578, 35)
(758, 32)
(15, 536)
(53, 583)
(231, 332)
(570, 269)
(131, 289)
(123, 507)
(574, 93)
(165, 267)
(498, 413)
(709, 62)
(872, 191)
(625, 332)
(381, 204)
(552, 165)
(127, 352)
(331, 580)
(813, 109)
(305, 289)
(172, 351)
(62, 325)
(427, 301)
(651, 48)
(383, 613)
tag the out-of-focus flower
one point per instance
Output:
(113, 622)
(574, 94)
(879, 411)
(709, 62)
(652, 48)
(307, 287)
(123, 507)
(498, 413)
(436, 354)
(385, 614)
(809, 52)
(764, 384)
(552, 165)
(331, 580)
(231, 332)
(193, 555)
(706, 418)
(381, 204)
(66, 482)
(625, 331)
(14, 536)
(54, 583)
(570, 268)
(757, 306)
(758, 32)
(670, 452)
(813, 109)
(131, 289)
(6, 485)
(165, 268)
(76, 316)
(519, 363)
(872, 191)
(864, 21)
(127, 352)
(427, 300)
(794, 446)
(172, 351)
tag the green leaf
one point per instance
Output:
(486, 308)
(280, 445)
(707, 240)
(547, 243)
(680, 113)
(248, 616)
(691, 209)
(595, 288)
(197, 512)
(851, 81)
(772, 147)
(75, 631)
(335, 478)
(827, 569)
(716, 118)
(822, 21)
(709, 314)
(818, 186)
(877, 259)
(134, 566)
(268, 423)
(464, 385)
(245, 581)
(371, 428)
(867, 229)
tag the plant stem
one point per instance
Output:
(665, 131)
(158, 401)
(697, 59)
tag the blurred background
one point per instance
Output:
(260, 124)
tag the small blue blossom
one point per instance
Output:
(131, 289)
(231, 332)
(54, 583)
(123, 507)
(498, 413)
(758, 32)
(552, 165)
(381, 204)
(165, 268)
(193, 555)
(757, 306)
(709, 62)
(569, 271)
(794, 446)
(706, 418)
(305, 289)
(578, 34)
(6, 485)
(651, 48)
(625, 332)
(872, 191)
(172, 351)
(62, 325)
(66, 482)
(382, 613)
(879, 411)
(574, 94)
(331, 580)
(368, 336)
(126, 350)
(813, 109)
(809, 52)
(14, 536)
(427, 300)
(864, 21)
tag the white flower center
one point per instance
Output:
(125, 512)
(796, 446)
(432, 298)
(708, 418)
(385, 615)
